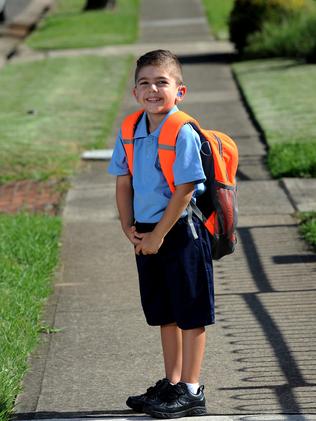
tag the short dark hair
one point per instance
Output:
(160, 58)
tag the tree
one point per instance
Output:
(97, 4)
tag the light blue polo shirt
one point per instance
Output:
(151, 190)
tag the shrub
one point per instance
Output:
(294, 37)
(248, 17)
(292, 160)
(308, 227)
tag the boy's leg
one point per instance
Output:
(171, 340)
(180, 400)
(193, 345)
(183, 352)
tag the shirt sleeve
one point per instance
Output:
(187, 167)
(118, 164)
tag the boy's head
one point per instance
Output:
(161, 58)
(158, 82)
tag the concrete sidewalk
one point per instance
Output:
(260, 355)
(21, 20)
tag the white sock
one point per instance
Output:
(193, 387)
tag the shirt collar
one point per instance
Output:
(141, 129)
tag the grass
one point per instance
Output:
(28, 256)
(51, 110)
(294, 37)
(282, 95)
(293, 160)
(308, 227)
(69, 27)
(218, 12)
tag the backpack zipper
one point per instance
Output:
(220, 146)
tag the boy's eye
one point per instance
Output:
(158, 83)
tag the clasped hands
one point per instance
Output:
(144, 243)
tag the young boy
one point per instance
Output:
(175, 269)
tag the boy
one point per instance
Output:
(175, 269)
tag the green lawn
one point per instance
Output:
(51, 110)
(218, 12)
(69, 27)
(28, 256)
(308, 227)
(282, 95)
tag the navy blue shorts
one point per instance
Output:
(176, 284)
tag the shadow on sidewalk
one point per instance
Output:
(294, 258)
(271, 331)
(225, 58)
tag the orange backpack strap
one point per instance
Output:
(167, 143)
(128, 131)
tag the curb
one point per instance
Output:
(16, 30)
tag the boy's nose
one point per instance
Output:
(153, 87)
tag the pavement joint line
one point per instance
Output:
(237, 294)
(243, 417)
(187, 47)
(180, 48)
(173, 22)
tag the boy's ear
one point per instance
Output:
(181, 93)
(134, 92)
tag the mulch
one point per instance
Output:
(30, 196)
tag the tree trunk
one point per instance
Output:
(96, 4)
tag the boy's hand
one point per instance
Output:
(150, 243)
(132, 235)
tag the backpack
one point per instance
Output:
(216, 207)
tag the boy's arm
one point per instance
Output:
(152, 241)
(124, 201)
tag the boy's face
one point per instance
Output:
(157, 89)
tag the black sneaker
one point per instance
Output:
(152, 394)
(178, 402)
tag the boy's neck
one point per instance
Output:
(154, 120)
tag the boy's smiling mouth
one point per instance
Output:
(154, 99)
